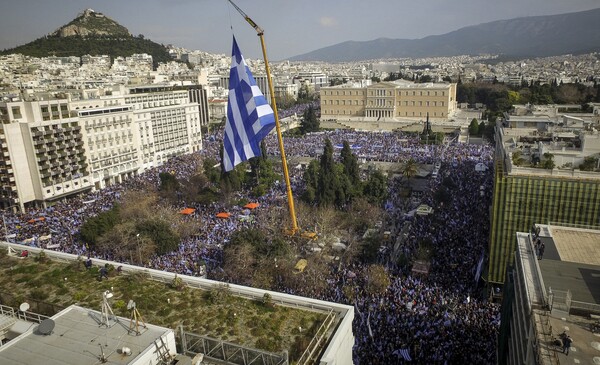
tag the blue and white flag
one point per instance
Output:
(404, 353)
(249, 116)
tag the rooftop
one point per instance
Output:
(568, 277)
(572, 262)
(77, 338)
(216, 312)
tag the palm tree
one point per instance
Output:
(410, 169)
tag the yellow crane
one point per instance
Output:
(260, 33)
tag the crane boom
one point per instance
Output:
(294, 229)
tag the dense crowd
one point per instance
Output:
(435, 318)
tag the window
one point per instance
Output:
(16, 110)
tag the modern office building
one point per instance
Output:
(392, 100)
(548, 295)
(65, 143)
(540, 178)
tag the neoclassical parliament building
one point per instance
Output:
(398, 99)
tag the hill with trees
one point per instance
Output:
(94, 34)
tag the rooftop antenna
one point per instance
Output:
(107, 311)
(135, 319)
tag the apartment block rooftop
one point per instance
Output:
(77, 335)
(539, 144)
(557, 292)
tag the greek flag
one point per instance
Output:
(249, 116)
(404, 353)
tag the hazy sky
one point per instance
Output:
(292, 27)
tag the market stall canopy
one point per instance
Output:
(223, 215)
(252, 205)
(187, 211)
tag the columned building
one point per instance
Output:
(389, 100)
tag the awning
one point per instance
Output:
(252, 205)
(187, 211)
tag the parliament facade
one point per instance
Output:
(398, 99)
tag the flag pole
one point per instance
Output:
(260, 33)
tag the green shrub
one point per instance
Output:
(39, 294)
(79, 296)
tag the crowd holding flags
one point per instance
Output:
(249, 117)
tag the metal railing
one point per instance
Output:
(222, 352)
(22, 315)
(317, 340)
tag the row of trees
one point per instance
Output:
(338, 184)
(499, 97)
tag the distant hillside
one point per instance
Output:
(95, 34)
(538, 36)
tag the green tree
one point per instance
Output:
(474, 127)
(517, 158)
(350, 163)
(410, 169)
(425, 78)
(160, 233)
(262, 175)
(94, 227)
(327, 186)
(548, 162)
(311, 179)
(212, 173)
(168, 182)
(309, 122)
(375, 189)
(590, 163)
(377, 280)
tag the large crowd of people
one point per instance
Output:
(438, 318)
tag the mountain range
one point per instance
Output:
(535, 36)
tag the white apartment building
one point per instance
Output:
(64, 144)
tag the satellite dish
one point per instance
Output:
(24, 307)
(131, 304)
(46, 327)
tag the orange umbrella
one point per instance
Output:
(223, 215)
(252, 205)
(187, 211)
